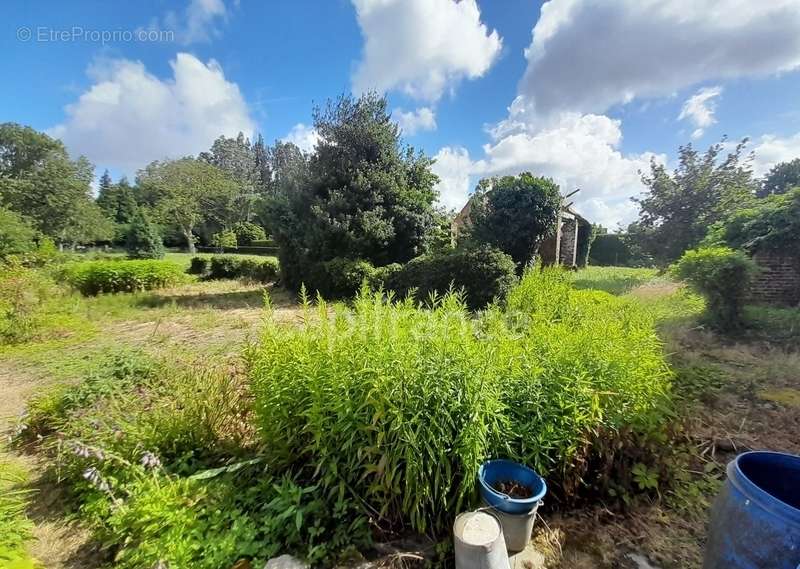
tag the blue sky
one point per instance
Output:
(584, 91)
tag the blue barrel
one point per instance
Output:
(495, 471)
(755, 521)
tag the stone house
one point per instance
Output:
(569, 246)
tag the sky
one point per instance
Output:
(586, 92)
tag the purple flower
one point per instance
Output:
(150, 460)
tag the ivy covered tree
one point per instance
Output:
(678, 207)
(514, 214)
(142, 239)
(361, 194)
(780, 179)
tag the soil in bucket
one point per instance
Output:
(513, 489)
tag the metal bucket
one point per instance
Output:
(479, 541)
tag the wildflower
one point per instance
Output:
(150, 460)
(81, 450)
(92, 475)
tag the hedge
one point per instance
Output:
(233, 267)
(484, 274)
(96, 277)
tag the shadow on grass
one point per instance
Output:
(225, 300)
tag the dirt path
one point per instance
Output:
(57, 544)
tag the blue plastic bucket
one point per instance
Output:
(495, 471)
(755, 521)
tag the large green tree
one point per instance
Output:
(781, 178)
(362, 195)
(678, 207)
(514, 214)
(41, 182)
(186, 192)
(237, 158)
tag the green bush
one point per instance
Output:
(142, 239)
(400, 405)
(96, 277)
(199, 265)
(26, 294)
(248, 233)
(484, 274)
(223, 239)
(338, 278)
(15, 527)
(381, 276)
(17, 235)
(246, 268)
(723, 277)
(609, 249)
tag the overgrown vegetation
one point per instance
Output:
(348, 397)
(15, 527)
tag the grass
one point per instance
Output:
(15, 527)
(613, 280)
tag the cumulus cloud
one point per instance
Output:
(699, 109)
(422, 47)
(770, 149)
(577, 151)
(587, 55)
(412, 122)
(303, 136)
(198, 23)
(454, 168)
(130, 117)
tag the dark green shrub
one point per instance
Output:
(248, 268)
(257, 270)
(224, 267)
(142, 240)
(514, 214)
(383, 275)
(247, 233)
(338, 278)
(609, 249)
(723, 277)
(96, 277)
(483, 273)
(199, 265)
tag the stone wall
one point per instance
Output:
(778, 281)
(569, 242)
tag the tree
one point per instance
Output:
(678, 208)
(17, 235)
(362, 194)
(106, 198)
(514, 214)
(142, 240)
(247, 232)
(186, 192)
(782, 178)
(39, 181)
(237, 158)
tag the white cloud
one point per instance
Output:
(454, 167)
(130, 117)
(577, 151)
(198, 23)
(699, 109)
(422, 47)
(587, 55)
(771, 149)
(412, 122)
(303, 136)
